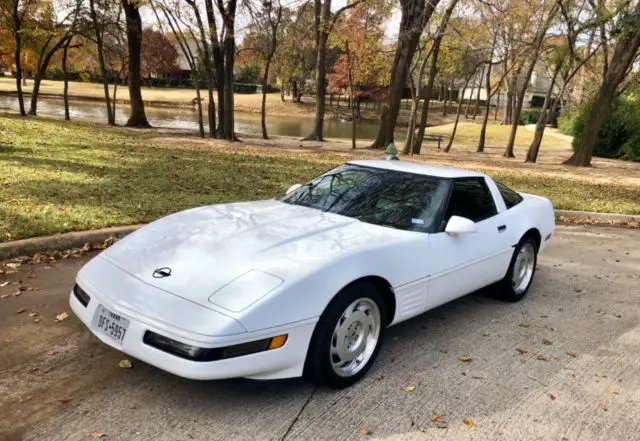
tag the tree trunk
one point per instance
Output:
(624, 53)
(415, 95)
(455, 124)
(218, 68)
(101, 61)
(43, 65)
(446, 100)
(294, 91)
(487, 104)
(229, 56)
(508, 153)
(200, 115)
(65, 77)
(417, 144)
(495, 115)
(415, 15)
(138, 117)
(476, 105)
(17, 24)
(322, 16)
(534, 148)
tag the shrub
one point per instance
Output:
(619, 136)
(529, 116)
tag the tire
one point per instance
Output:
(517, 281)
(360, 334)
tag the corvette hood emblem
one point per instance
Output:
(161, 273)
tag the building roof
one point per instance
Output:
(419, 168)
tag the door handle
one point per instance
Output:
(502, 228)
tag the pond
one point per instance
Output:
(181, 118)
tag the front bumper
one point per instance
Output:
(285, 362)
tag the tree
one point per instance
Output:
(158, 56)
(263, 40)
(51, 35)
(224, 65)
(104, 22)
(137, 117)
(14, 15)
(417, 144)
(295, 55)
(176, 25)
(363, 29)
(324, 23)
(533, 59)
(625, 51)
(415, 14)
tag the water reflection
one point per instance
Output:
(180, 118)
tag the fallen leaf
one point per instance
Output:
(65, 400)
(524, 325)
(52, 353)
(4, 296)
(409, 388)
(546, 342)
(465, 359)
(441, 425)
(380, 377)
(522, 351)
(96, 435)
(365, 432)
(613, 391)
(543, 357)
(36, 320)
(600, 375)
(572, 354)
(551, 396)
(421, 429)
(13, 265)
(469, 422)
(444, 351)
(62, 316)
(3, 284)
(33, 314)
(16, 294)
(125, 364)
(20, 311)
(436, 418)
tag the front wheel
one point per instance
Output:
(347, 337)
(517, 281)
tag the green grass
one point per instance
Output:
(57, 177)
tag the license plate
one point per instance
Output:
(110, 323)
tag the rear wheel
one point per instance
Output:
(347, 337)
(522, 268)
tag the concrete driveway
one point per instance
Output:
(563, 364)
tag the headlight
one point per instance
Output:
(195, 353)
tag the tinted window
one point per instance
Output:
(384, 197)
(511, 198)
(472, 199)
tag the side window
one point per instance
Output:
(511, 198)
(472, 199)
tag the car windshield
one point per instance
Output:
(389, 198)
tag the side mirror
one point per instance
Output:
(294, 187)
(460, 225)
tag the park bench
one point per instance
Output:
(434, 137)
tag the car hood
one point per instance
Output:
(267, 243)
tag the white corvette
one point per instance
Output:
(307, 284)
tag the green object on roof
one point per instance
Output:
(391, 149)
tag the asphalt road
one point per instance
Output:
(563, 364)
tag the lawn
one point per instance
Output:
(58, 177)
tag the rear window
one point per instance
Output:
(510, 197)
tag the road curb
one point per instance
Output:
(599, 217)
(65, 241)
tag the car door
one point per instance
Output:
(462, 263)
